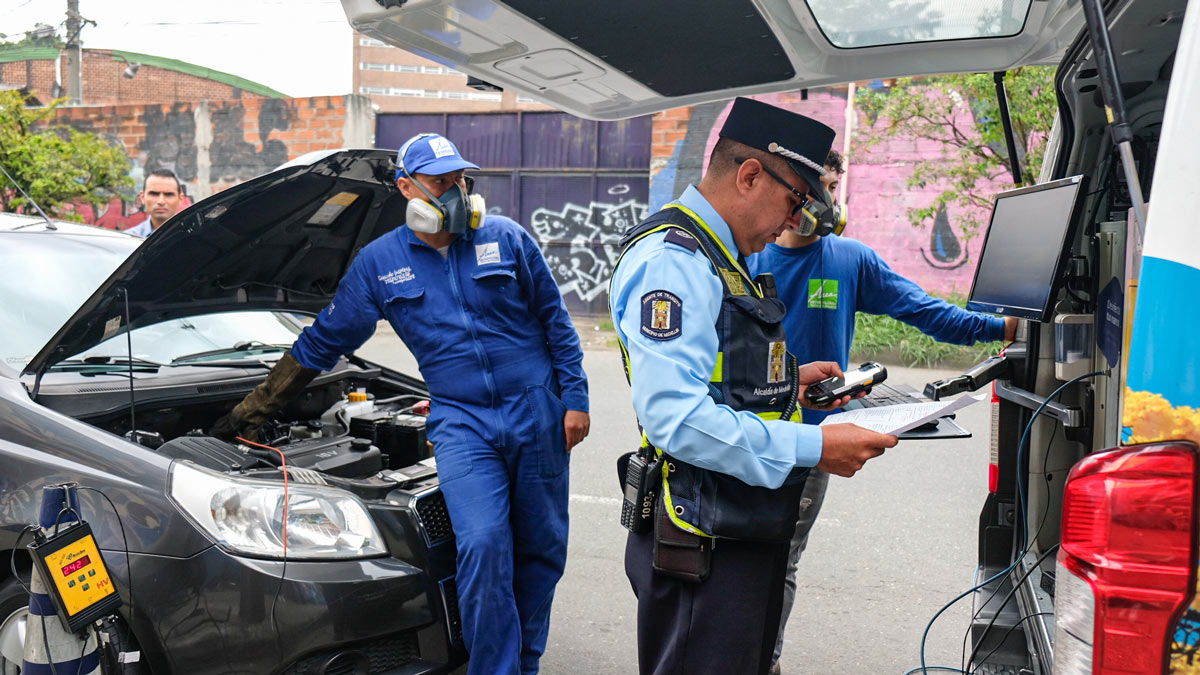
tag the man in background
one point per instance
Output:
(161, 195)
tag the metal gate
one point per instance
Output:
(575, 184)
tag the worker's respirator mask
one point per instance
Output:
(819, 219)
(455, 211)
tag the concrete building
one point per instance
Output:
(399, 81)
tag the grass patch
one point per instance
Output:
(879, 337)
(605, 324)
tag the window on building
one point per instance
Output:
(372, 42)
(374, 66)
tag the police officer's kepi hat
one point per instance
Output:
(802, 141)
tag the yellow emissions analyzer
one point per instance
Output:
(77, 579)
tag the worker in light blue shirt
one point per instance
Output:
(825, 280)
(717, 396)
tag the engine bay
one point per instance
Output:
(357, 426)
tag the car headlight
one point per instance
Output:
(246, 516)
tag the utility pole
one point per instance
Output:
(75, 52)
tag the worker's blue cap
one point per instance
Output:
(430, 154)
(802, 141)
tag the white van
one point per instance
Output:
(1106, 583)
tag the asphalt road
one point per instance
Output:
(891, 547)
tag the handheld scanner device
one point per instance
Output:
(854, 381)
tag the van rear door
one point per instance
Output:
(623, 58)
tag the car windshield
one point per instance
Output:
(45, 277)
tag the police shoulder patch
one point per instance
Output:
(662, 315)
(682, 238)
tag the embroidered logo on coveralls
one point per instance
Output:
(398, 276)
(662, 315)
(487, 253)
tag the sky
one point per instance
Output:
(297, 47)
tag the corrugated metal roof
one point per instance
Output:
(8, 55)
(38, 53)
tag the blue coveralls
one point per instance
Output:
(503, 364)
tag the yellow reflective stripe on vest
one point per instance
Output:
(718, 374)
(685, 526)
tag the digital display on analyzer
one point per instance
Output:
(1026, 246)
(74, 567)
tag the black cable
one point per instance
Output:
(124, 541)
(996, 615)
(12, 559)
(1009, 632)
(1045, 514)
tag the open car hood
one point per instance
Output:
(620, 58)
(281, 241)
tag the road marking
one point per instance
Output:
(593, 499)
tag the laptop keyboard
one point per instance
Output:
(882, 394)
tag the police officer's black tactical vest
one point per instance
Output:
(754, 372)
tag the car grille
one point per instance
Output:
(435, 519)
(450, 604)
(375, 656)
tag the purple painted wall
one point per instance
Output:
(877, 196)
(575, 184)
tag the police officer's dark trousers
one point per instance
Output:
(725, 624)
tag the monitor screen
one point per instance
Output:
(1025, 247)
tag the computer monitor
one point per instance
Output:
(1026, 247)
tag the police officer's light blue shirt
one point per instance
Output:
(670, 377)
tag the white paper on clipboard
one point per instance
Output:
(896, 419)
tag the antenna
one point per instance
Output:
(49, 224)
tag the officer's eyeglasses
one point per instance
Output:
(798, 194)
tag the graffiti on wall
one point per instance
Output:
(945, 251)
(581, 242)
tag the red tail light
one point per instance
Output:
(1129, 532)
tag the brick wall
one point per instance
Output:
(212, 145)
(937, 257)
(104, 83)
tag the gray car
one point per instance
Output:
(118, 353)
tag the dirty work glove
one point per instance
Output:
(285, 382)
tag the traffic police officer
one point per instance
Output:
(474, 301)
(717, 399)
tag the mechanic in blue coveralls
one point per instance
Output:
(474, 301)
(824, 279)
(716, 395)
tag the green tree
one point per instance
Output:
(54, 163)
(961, 113)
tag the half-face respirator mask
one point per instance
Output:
(456, 211)
(819, 219)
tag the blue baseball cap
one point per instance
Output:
(430, 154)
